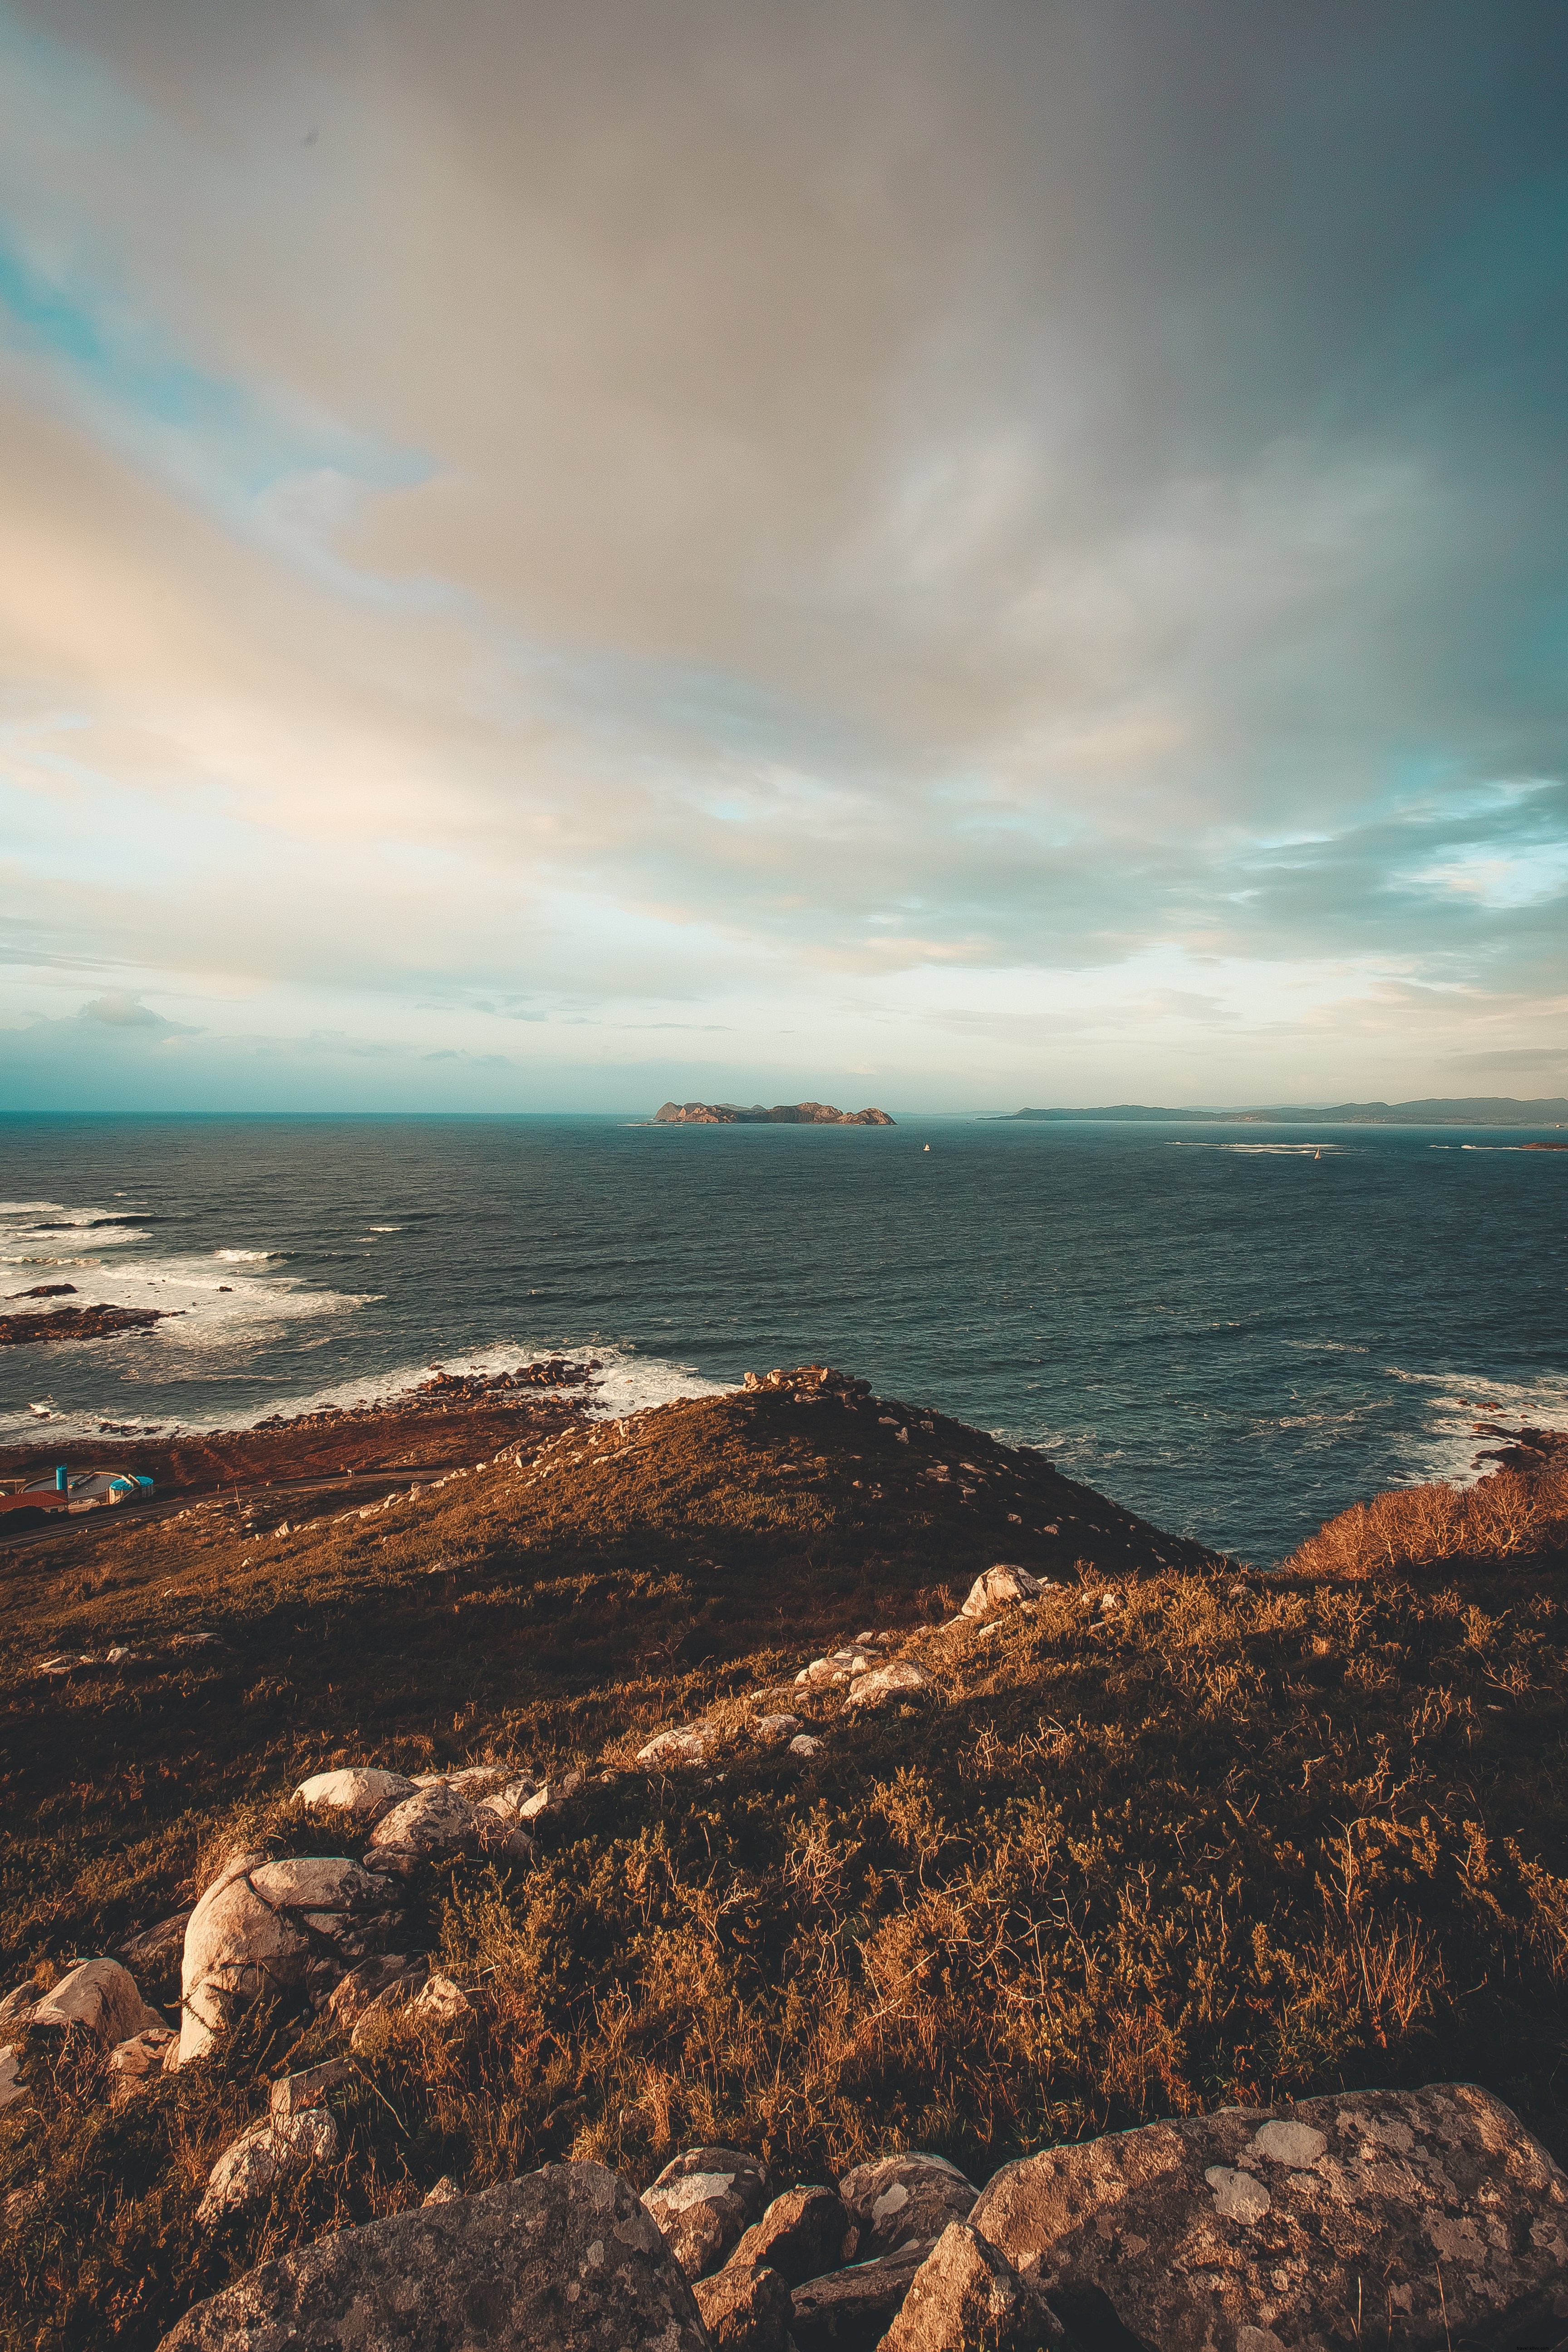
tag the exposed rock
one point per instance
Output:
(746, 2309)
(398, 1994)
(566, 2258)
(549, 1796)
(703, 2200)
(10, 2088)
(1430, 2216)
(900, 2198)
(349, 2000)
(805, 1745)
(17, 2007)
(158, 1946)
(276, 1926)
(967, 2298)
(249, 2165)
(804, 1114)
(102, 1996)
(445, 2192)
(430, 1822)
(136, 2062)
(774, 1728)
(439, 1998)
(293, 2094)
(1002, 1587)
(682, 1746)
(850, 2310)
(368, 1795)
(801, 2235)
(887, 1686)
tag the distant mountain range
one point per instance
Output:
(804, 1114)
(1459, 1110)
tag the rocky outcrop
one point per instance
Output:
(703, 2201)
(967, 2298)
(802, 1114)
(76, 1323)
(566, 2258)
(276, 1927)
(898, 2200)
(102, 1995)
(1420, 2218)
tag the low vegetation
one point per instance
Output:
(1176, 1836)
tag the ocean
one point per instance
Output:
(1234, 1331)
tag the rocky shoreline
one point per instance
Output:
(57, 1323)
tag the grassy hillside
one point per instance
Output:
(1176, 1836)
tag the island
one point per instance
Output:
(1471, 1110)
(804, 1114)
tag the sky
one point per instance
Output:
(944, 556)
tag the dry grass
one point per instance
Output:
(1242, 1839)
(1514, 1516)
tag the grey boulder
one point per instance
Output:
(898, 2198)
(703, 2200)
(566, 2258)
(801, 2235)
(746, 2308)
(271, 1926)
(102, 1995)
(431, 1822)
(967, 2298)
(1419, 2218)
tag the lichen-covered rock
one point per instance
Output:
(850, 2310)
(248, 2168)
(266, 1926)
(967, 2298)
(889, 1685)
(703, 2200)
(358, 1790)
(102, 1996)
(429, 1823)
(898, 2200)
(1002, 1587)
(745, 2309)
(566, 2258)
(1429, 2216)
(801, 2235)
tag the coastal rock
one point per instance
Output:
(265, 1926)
(745, 2309)
(967, 2298)
(1002, 1587)
(1431, 2214)
(102, 1996)
(249, 2165)
(368, 1795)
(800, 2236)
(431, 1822)
(566, 2258)
(703, 2200)
(898, 2199)
(889, 1685)
(850, 2310)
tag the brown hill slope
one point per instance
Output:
(1168, 1837)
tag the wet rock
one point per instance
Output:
(566, 2258)
(422, 1827)
(898, 2199)
(703, 2200)
(889, 1685)
(967, 2298)
(102, 1996)
(1002, 1587)
(1303, 2224)
(246, 2169)
(265, 1926)
(746, 2309)
(368, 1795)
(801, 2235)
(850, 2310)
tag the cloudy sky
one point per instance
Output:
(941, 555)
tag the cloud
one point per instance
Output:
(121, 1011)
(740, 515)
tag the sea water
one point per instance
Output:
(1235, 1331)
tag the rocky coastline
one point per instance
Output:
(58, 1323)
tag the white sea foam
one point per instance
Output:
(1447, 1445)
(1284, 1150)
(245, 1257)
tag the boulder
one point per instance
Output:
(157, 1948)
(1429, 2216)
(264, 1926)
(805, 1744)
(801, 2235)
(901, 2199)
(852, 2310)
(349, 1999)
(967, 2298)
(746, 2309)
(422, 1827)
(566, 2258)
(887, 1686)
(703, 2200)
(136, 2062)
(358, 1790)
(292, 2095)
(248, 2168)
(10, 2087)
(777, 1728)
(439, 1998)
(102, 1996)
(549, 1796)
(1002, 1587)
(682, 1746)
(17, 2007)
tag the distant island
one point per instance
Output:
(1465, 1110)
(804, 1114)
